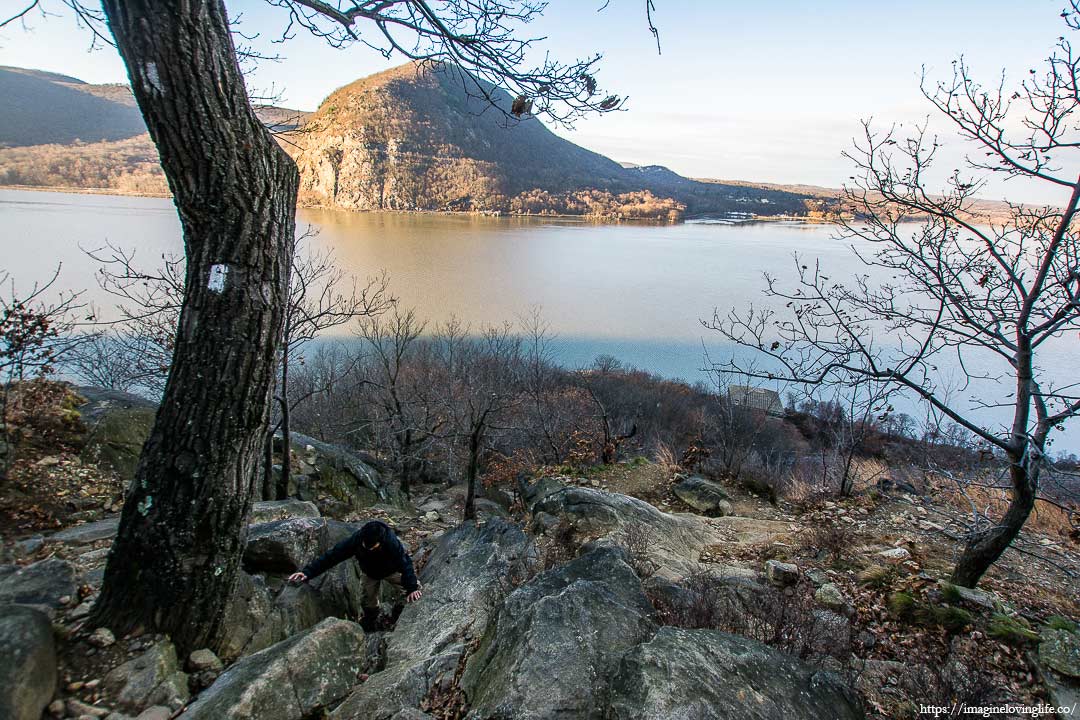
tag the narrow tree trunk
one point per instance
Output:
(474, 467)
(282, 490)
(983, 549)
(406, 463)
(265, 488)
(182, 531)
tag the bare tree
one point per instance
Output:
(405, 402)
(135, 351)
(482, 387)
(318, 302)
(993, 294)
(614, 430)
(848, 419)
(731, 426)
(541, 386)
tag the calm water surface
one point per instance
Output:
(638, 292)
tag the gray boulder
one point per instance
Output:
(47, 583)
(1060, 651)
(264, 608)
(711, 675)
(263, 611)
(830, 598)
(552, 647)
(294, 679)
(540, 490)
(152, 678)
(270, 510)
(87, 533)
(675, 540)
(703, 495)
(781, 574)
(27, 662)
(285, 546)
(464, 579)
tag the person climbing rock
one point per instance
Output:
(382, 558)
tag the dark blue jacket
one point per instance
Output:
(389, 558)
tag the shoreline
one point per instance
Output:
(598, 219)
(85, 191)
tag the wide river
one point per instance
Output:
(638, 292)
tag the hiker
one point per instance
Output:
(381, 556)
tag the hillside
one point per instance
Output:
(57, 131)
(42, 108)
(413, 138)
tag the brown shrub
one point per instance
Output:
(785, 619)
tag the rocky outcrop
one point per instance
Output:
(270, 510)
(703, 495)
(711, 675)
(117, 425)
(152, 678)
(1059, 649)
(1058, 660)
(27, 662)
(258, 616)
(551, 648)
(675, 541)
(464, 579)
(291, 680)
(344, 474)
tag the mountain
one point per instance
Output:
(411, 138)
(41, 107)
(57, 131)
(420, 137)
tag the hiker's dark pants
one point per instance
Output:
(373, 586)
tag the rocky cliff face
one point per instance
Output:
(413, 138)
(423, 138)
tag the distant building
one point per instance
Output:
(768, 401)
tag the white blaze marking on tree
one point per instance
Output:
(217, 278)
(150, 76)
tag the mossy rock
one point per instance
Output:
(1011, 630)
(1060, 650)
(115, 439)
(950, 593)
(344, 487)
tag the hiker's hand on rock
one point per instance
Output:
(414, 595)
(297, 578)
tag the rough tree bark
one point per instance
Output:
(174, 562)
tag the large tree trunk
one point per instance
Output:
(182, 531)
(983, 549)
